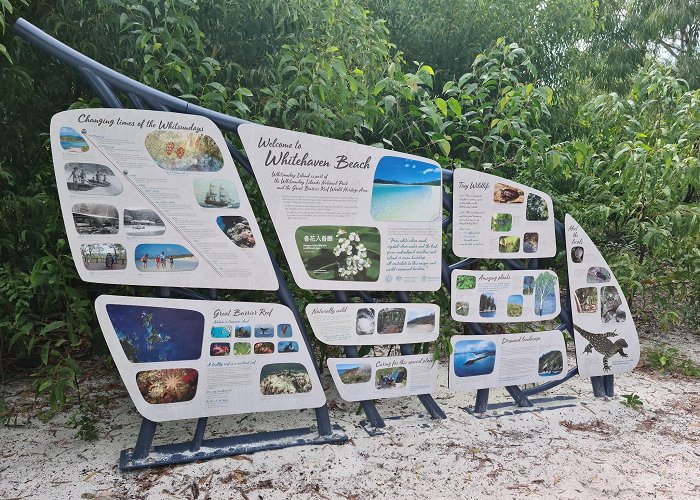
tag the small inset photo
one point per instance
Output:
(508, 244)
(220, 349)
(284, 330)
(264, 331)
(221, 332)
(365, 321)
(287, 346)
(264, 348)
(391, 320)
(242, 331)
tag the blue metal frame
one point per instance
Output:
(602, 386)
(106, 83)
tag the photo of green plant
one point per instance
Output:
(508, 244)
(536, 209)
(241, 348)
(466, 282)
(462, 308)
(586, 299)
(501, 222)
(515, 306)
(354, 373)
(346, 253)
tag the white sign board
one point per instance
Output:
(485, 361)
(504, 296)
(361, 379)
(500, 219)
(188, 358)
(605, 336)
(348, 216)
(153, 198)
(374, 324)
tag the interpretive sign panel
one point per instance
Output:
(153, 198)
(501, 219)
(605, 335)
(486, 361)
(186, 359)
(504, 296)
(349, 216)
(362, 379)
(374, 324)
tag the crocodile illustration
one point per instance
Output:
(601, 343)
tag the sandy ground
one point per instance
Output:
(576, 446)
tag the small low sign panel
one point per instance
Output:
(605, 336)
(374, 324)
(362, 379)
(504, 296)
(501, 219)
(153, 198)
(350, 216)
(486, 361)
(187, 359)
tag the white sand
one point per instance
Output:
(597, 448)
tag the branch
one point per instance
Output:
(671, 48)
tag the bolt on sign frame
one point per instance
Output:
(107, 83)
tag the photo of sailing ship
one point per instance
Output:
(95, 218)
(142, 222)
(157, 334)
(215, 193)
(92, 179)
(182, 151)
(405, 189)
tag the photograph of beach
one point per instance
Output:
(94, 218)
(184, 151)
(406, 190)
(92, 179)
(72, 141)
(215, 193)
(420, 321)
(159, 257)
(142, 222)
(156, 334)
(103, 256)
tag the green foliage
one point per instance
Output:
(669, 359)
(632, 401)
(86, 418)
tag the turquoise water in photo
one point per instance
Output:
(405, 203)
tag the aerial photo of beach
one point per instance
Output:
(72, 141)
(347, 253)
(94, 218)
(284, 378)
(92, 179)
(152, 334)
(142, 222)
(474, 357)
(406, 190)
(215, 193)
(103, 256)
(183, 151)
(158, 257)
(174, 385)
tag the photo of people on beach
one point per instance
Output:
(142, 222)
(347, 253)
(72, 141)
(184, 151)
(391, 378)
(103, 256)
(406, 190)
(175, 385)
(237, 229)
(155, 334)
(92, 179)
(215, 193)
(158, 257)
(94, 218)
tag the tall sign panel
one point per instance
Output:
(349, 217)
(153, 198)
